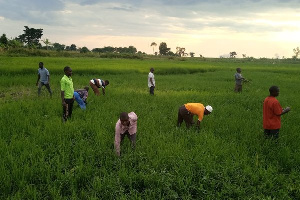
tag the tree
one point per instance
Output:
(296, 52)
(73, 47)
(58, 47)
(31, 37)
(154, 45)
(3, 41)
(15, 43)
(232, 54)
(163, 48)
(180, 51)
(192, 54)
(46, 42)
(84, 50)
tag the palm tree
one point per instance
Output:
(154, 45)
(46, 42)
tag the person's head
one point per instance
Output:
(106, 82)
(151, 69)
(208, 110)
(86, 88)
(41, 65)
(238, 70)
(124, 118)
(274, 91)
(68, 71)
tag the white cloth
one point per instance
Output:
(151, 75)
(99, 80)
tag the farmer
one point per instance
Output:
(43, 79)
(187, 111)
(238, 80)
(98, 83)
(151, 81)
(272, 112)
(81, 97)
(67, 93)
(125, 126)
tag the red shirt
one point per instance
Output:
(271, 113)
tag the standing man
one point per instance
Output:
(272, 112)
(67, 93)
(98, 83)
(81, 97)
(151, 81)
(187, 111)
(238, 80)
(126, 125)
(43, 79)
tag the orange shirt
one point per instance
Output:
(196, 109)
(271, 113)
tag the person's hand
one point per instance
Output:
(287, 109)
(64, 104)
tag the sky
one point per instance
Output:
(212, 28)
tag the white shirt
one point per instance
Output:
(100, 82)
(151, 75)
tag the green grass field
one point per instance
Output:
(42, 158)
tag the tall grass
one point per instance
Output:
(42, 158)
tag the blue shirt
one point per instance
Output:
(44, 73)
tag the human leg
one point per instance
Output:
(79, 101)
(67, 110)
(152, 90)
(95, 88)
(132, 139)
(180, 118)
(39, 88)
(186, 115)
(49, 89)
(271, 133)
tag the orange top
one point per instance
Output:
(271, 113)
(196, 109)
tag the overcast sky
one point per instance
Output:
(258, 28)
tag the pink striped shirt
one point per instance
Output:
(120, 129)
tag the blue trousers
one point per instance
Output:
(79, 101)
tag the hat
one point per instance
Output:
(209, 108)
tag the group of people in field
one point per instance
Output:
(127, 122)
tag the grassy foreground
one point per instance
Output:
(42, 158)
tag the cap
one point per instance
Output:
(209, 108)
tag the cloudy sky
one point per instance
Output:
(258, 28)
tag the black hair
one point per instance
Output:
(106, 82)
(124, 116)
(273, 89)
(41, 63)
(66, 68)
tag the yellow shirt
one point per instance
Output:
(196, 109)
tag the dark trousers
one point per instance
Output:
(46, 85)
(132, 138)
(152, 90)
(238, 88)
(271, 133)
(67, 110)
(184, 114)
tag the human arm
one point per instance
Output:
(62, 94)
(37, 82)
(151, 81)
(103, 90)
(117, 138)
(198, 125)
(48, 78)
(286, 110)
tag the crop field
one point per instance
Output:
(43, 158)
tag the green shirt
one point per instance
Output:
(66, 85)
